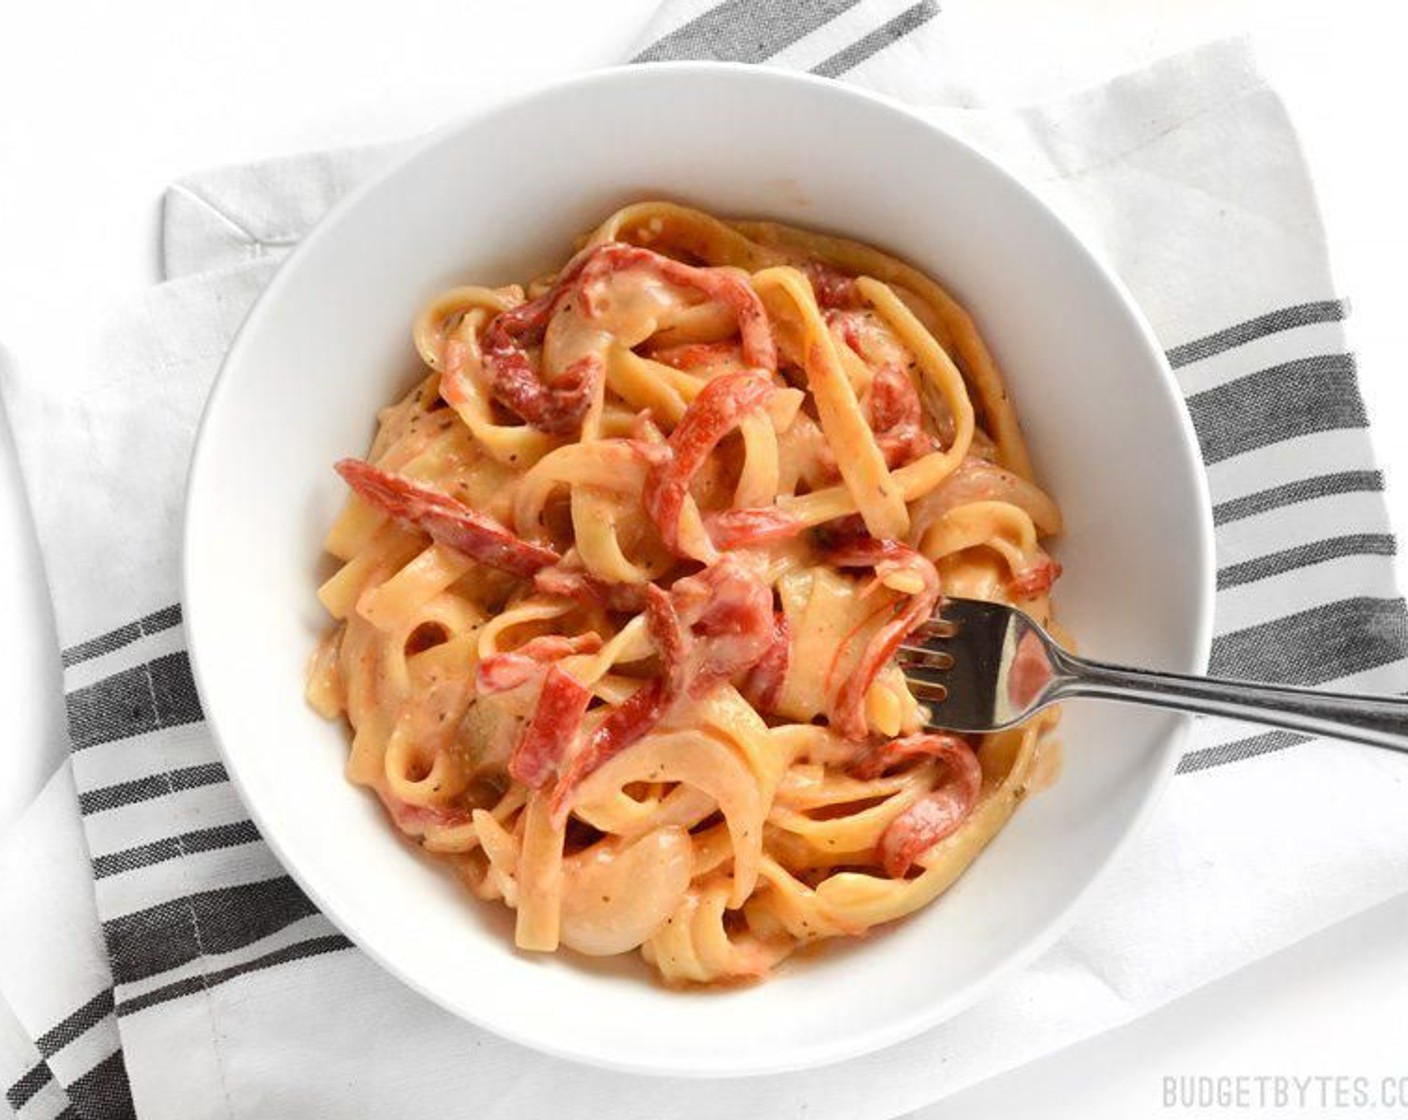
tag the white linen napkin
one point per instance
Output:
(232, 997)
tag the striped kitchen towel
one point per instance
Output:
(198, 981)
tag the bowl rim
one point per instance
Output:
(806, 1055)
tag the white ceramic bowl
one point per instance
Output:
(498, 198)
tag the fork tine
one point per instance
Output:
(990, 643)
(937, 628)
(909, 656)
(929, 692)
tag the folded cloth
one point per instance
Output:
(234, 997)
(58, 1036)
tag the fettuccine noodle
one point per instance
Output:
(622, 579)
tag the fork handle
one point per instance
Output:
(1379, 721)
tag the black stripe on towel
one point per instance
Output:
(1317, 645)
(48, 1044)
(153, 623)
(173, 847)
(1293, 399)
(883, 36)
(1303, 556)
(148, 697)
(104, 1093)
(1284, 319)
(744, 30)
(35, 1078)
(313, 947)
(1239, 749)
(1292, 493)
(160, 938)
(89, 1015)
(145, 789)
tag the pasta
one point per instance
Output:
(621, 580)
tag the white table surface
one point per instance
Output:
(102, 104)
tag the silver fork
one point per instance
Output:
(984, 666)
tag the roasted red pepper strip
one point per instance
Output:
(728, 618)
(692, 355)
(561, 705)
(715, 412)
(558, 406)
(707, 628)
(893, 400)
(831, 287)
(628, 721)
(417, 820)
(763, 684)
(875, 759)
(447, 521)
(848, 711)
(503, 671)
(573, 583)
(639, 712)
(938, 814)
(671, 640)
(897, 416)
(721, 284)
(555, 408)
(1036, 580)
(742, 528)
